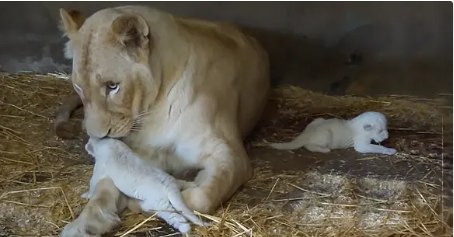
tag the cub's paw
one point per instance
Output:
(390, 151)
(184, 228)
(86, 195)
(183, 185)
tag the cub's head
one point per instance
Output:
(101, 148)
(373, 125)
(111, 71)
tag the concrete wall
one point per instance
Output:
(395, 47)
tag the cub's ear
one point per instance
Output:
(71, 21)
(130, 31)
(368, 126)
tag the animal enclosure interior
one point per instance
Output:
(292, 193)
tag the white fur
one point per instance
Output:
(157, 191)
(78, 88)
(324, 135)
(68, 51)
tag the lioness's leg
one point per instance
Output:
(100, 215)
(225, 169)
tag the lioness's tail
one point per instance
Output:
(176, 199)
(296, 143)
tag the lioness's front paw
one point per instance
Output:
(197, 200)
(65, 130)
(76, 229)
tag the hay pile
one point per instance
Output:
(42, 177)
(405, 113)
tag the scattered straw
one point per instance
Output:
(42, 177)
(138, 225)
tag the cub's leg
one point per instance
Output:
(100, 215)
(319, 141)
(372, 148)
(317, 148)
(93, 182)
(183, 184)
(165, 211)
(226, 167)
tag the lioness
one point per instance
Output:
(163, 84)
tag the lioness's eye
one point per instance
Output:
(112, 86)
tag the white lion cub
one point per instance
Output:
(157, 191)
(324, 135)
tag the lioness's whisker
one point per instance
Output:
(137, 124)
(142, 114)
(139, 120)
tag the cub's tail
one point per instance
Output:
(296, 143)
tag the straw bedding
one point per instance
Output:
(42, 177)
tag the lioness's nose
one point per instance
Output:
(97, 130)
(97, 122)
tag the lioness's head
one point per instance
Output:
(111, 72)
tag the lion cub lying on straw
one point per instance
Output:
(158, 191)
(324, 135)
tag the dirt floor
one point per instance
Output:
(292, 193)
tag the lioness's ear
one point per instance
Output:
(71, 20)
(130, 31)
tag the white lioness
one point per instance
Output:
(324, 135)
(156, 190)
(189, 88)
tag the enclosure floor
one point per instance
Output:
(293, 193)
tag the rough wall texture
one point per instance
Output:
(393, 47)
